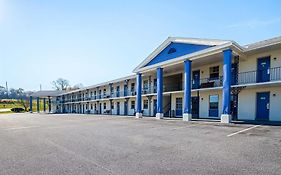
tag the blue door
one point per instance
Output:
(178, 107)
(263, 69)
(126, 108)
(196, 79)
(100, 109)
(195, 107)
(154, 107)
(125, 90)
(117, 91)
(118, 108)
(262, 106)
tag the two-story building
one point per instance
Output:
(191, 78)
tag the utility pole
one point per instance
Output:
(7, 89)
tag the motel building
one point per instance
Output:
(191, 78)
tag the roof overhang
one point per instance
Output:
(194, 56)
(169, 40)
(45, 94)
(101, 84)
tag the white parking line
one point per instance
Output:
(247, 129)
(17, 128)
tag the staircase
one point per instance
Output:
(167, 109)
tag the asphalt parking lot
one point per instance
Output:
(89, 144)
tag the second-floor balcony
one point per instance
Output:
(242, 78)
(259, 76)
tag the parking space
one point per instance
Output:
(90, 144)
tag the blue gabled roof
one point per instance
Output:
(174, 50)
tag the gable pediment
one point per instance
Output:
(174, 50)
(175, 47)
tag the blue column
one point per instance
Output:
(139, 89)
(226, 96)
(38, 105)
(30, 104)
(49, 104)
(44, 104)
(159, 114)
(187, 87)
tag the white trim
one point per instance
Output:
(258, 84)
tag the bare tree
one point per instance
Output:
(24, 101)
(75, 87)
(60, 84)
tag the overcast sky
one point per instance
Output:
(91, 41)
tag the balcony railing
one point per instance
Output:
(207, 83)
(172, 87)
(149, 90)
(259, 76)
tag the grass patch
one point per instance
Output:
(12, 103)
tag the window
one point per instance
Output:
(145, 104)
(104, 91)
(214, 72)
(133, 104)
(112, 105)
(172, 50)
(104, 105)
(214, 102)
(91, 106)
(178, 103)
(213, 105)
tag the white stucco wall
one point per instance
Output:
(249, 63)
(247, 103)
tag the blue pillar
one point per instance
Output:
(159, 114)
(226, 96)
(38, 105)
(187, 91)
(139, 89)
(49, 104)
(30, 104)
(44, 104)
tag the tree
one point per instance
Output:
(60, 84)
(2, 92)
(24, 101)
(75, 87)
